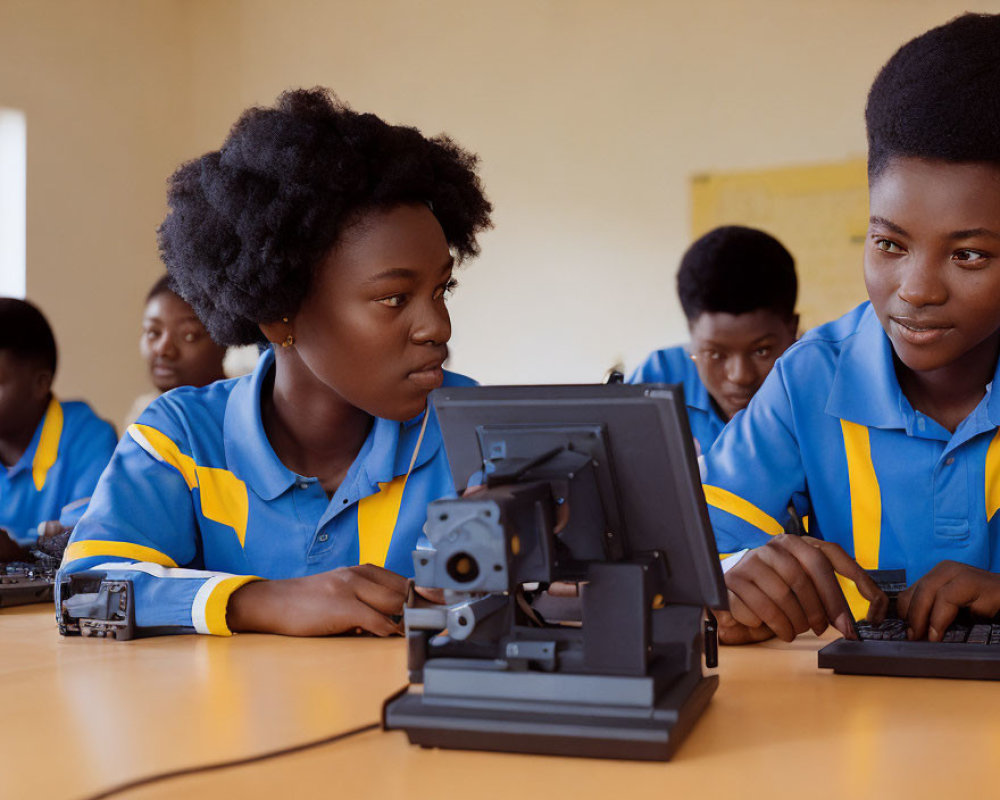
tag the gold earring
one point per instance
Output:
(290, 339)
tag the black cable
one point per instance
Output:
(238, 762)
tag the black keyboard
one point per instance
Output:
(970, 648)
(32, 581)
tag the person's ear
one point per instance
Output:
(793, 327)
(278, 332)
(42, 384)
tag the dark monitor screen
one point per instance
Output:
(650, 487)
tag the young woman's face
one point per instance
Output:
(735, 352)
(374, 326)
(176, 346)
(932, 258)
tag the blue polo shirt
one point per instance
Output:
(674, 365)
(832, 429)
(195, 503)
(55, 477)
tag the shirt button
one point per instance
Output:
(323, 537)
(303, 485)
(949, 461)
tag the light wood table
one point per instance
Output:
(86, 715)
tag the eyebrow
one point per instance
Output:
(402, 272)
(968, 233)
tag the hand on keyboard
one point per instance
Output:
(931, 604)
(789, 586)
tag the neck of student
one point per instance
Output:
(313, 430)
(14, 443)
(949, 394)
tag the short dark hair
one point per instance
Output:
(249, 222)
(162, 286)
(735, 270)
(26, 334)
(938, 97)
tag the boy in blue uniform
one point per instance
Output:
(53, 452)
(737, 287)
(885, 421)
(289, 500)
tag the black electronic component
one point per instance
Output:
(589, 485)
(970, 647)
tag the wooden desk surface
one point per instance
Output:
(86, 715)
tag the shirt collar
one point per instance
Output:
(26, 461)
(385, 454)
(865, 388)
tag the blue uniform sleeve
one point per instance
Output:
(142, 526)
(754, 470)
(90, 450)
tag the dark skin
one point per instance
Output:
(25, 392)
(932, 268)
(735, 352)
(370, 340)
(176, 346)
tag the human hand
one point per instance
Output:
(930, 605)
(342, 600)
(789, 586)
(51, 528)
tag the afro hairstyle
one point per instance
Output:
(248, 223)
(25, 333)
(736, 270)
(938, 97)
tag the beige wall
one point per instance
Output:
(590, 117)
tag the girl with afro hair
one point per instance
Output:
(290, 500)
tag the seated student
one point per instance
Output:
(332, 235)
(175, 346)
(52, 452)
(885, 420)
(737, 287)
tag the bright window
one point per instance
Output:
(13, 215)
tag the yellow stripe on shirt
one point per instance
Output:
(97, 547)
(377, 515)
(993, 477)
(224, 497)
(48, 443)
(866, 508)
(734, 504)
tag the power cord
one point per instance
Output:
(238, 762)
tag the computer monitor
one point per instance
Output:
(646, 463)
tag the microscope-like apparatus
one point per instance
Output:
(581, 488)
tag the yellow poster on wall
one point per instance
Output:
(819, 212)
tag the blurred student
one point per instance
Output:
(290, 500)
(52, 452)
(175, 346)
(738, 288)
(885, 421)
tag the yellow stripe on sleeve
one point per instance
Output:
(866, 508)
(377, 515)
(48, 443)
(734, 504)
(224, 497)
(993, 477)
(218, 603)
(97, 547)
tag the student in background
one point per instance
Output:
(737, 287)
(175, 346)
(885, 420)
(52, 452)
(290, 500)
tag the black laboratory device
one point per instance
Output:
(594, 487)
